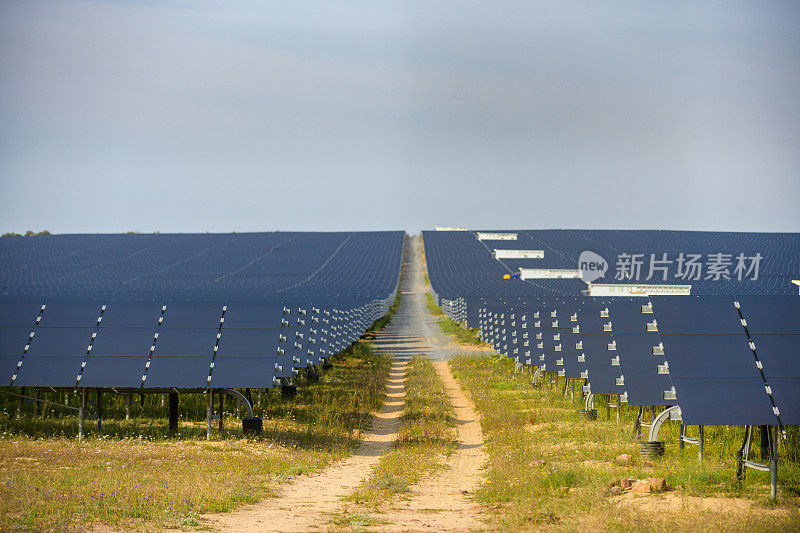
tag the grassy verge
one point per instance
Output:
(434, 309)
(425, 438)
(451, 327)
(462, 335)
(134, 475)
(549, 469)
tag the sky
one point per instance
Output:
(193, 116)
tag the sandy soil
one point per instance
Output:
(306, 503)
(442, 503)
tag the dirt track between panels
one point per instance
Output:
(307, 503)
(441, 502)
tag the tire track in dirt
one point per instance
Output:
(442, 502)
(308, 501)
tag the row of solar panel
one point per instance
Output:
(176, 344)
(459, 265)
(724, 360)
(355, 266)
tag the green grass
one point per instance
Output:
(548, 469)
(425, 439)
(462, 335)
(434, 309)
(136, 475)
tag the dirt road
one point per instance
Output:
(441, 502)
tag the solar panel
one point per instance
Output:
(114, 370)
(180, 342)
(71, 314)
(192, 315)
(771, 314)
(21, 313)
(723, 401)
(186, 371)
(601, 375)
(696, 315)
(253, 372)
(55, 358)
(264, 315)
(132, 314)
(713, 368)
(720, 356)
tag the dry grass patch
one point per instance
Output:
(135, 476)
(548, 469)
(425, 439)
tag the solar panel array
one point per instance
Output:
(727, 355)
(187, 311)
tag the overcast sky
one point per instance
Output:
(191, 116)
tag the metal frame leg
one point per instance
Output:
(81, 415)
(209, 414)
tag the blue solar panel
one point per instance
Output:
(117, 285)
(786, 391)
(628, 317)
(123, 341)
(723, 401)
(114, 371)
(602, 375)
(132, 314)
(687, 314)
(264, 315)
(71, 314)
(644, 386)
(780, 358)
(247, 343)
(192, 315)
(720, 356)
(14, 339)
(591, 321)
(771, 314)
(181, 342)
(54, 358)
(779, 354)
(19, 312)
(186, 371)
(60, 342)
(254, 372)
